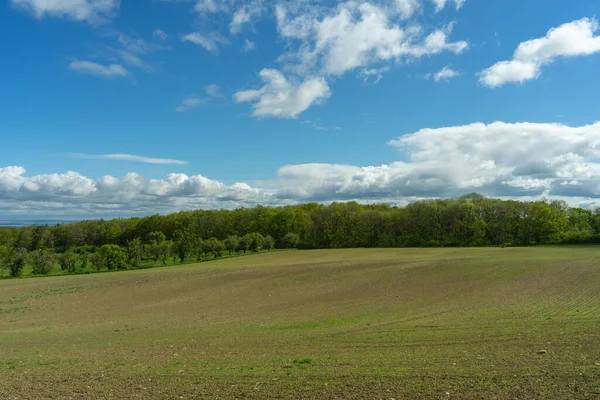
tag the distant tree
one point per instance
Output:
(155, 236)
(42, 261)
(165, 250)
(84, 259)
(15, 260)
(69, 261)
(204, 248)
(183, 242)
(290, 240)
(216, 247)
(114, 255)
(268, 243)
(244, 243)
(3, 257)
(135, 251)
(231, 244)
(256, 241)
(200, 249)
(579, 220)
(98, 260)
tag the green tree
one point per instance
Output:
(3, 257)
(290, 240)
(218, 248)
(255, 240)
(98, 260)
(69, 261)
(156, 236)
(232, 243)
(114, 255)
(268, 243)
(84, 259)
(15, 261)
(42, 261)
(165, 250)
(183, 243)
(244, 243)
(135, 251)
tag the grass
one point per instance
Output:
(360, 323)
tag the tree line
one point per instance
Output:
(471, 220)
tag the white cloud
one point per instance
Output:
(498, 159)
(245, 15)
(214, 91)
(506, 160)
(317, 126)
(445, 74)
(189, 103)
(72, 194)
(282, 98)
(92, 11)
(407, 8)
(209, 42)
(440, 4)
(209, 6)
(359, 35)
(103, 71)
(568, 40)
(248, 45)
(160, 34)
(330, 41)
(375, 73)
(129, 157)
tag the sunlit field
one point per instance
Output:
(366, 323)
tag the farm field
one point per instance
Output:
(485, 323)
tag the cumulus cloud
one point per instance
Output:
(74, 193)
(407, 8)
(330, 41)
(102, 71)
(129, 157)
(92, 11)
(568, 40)
(361, 34)
(280, 97)
(209, 42)
(505, 160)
(498, 159)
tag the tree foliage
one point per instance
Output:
(69, 261)
(471, 220)
(42, 261)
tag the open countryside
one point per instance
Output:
(349, 323)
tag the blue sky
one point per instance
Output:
(120, 108)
